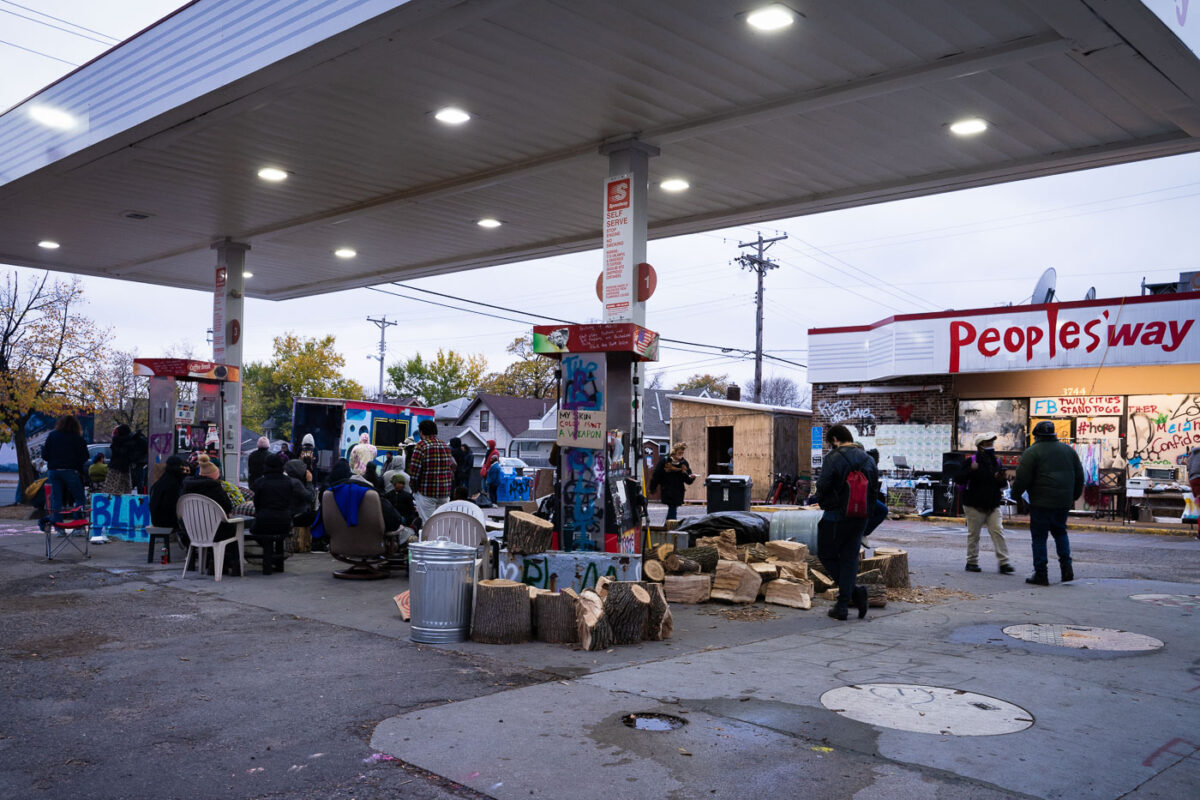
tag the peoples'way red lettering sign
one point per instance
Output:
(1152, 329)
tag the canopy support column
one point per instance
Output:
(228, 302)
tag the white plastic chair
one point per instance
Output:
(461, 528)
(202, 517)
(464, 507)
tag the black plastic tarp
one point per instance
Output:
(749, 526)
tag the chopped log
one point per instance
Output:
(687, 588)
(870, 576)
(593, 629)
(502, 613)
(660, 623)
(677, 564)
(725, 542)
(602, 584)
(876, 596)
(554, 617)
(753, 553)
(526, 534)
(787, 551)
(786, 593)
(663, 550)
(735, 582)
(793, 570)
(626, 609)
(821, 581)
(672, 524)
(707, 556)
(301, 539)
(653, 570)
(894, 566)
(768, 572)
(830, 594)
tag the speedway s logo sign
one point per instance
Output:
(618, 193)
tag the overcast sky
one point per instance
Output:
(1108, 228)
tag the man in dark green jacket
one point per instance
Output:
(1050, 471)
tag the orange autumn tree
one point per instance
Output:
(49, 353)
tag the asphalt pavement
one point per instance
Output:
(122, 680)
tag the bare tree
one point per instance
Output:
(780, 391)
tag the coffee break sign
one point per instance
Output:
(620, 274)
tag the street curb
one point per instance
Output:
(1094, 527)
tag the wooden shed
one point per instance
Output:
(765, 440)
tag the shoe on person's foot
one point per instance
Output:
(1007, 569)
(1038, 579)
(1068, 573)
(973, 568)
(839, 612)
(860, 600)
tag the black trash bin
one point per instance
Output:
(728, 492)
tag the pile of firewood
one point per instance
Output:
(613, 613)
(777, 572)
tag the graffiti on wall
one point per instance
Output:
(123, 516)
(558, 571)
(583, 379)
(582, 502)
(843, 411)
(1161, 429)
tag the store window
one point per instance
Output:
(485, 421)
(1008, 419)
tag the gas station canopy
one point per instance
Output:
(138, 161)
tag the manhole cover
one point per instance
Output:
(927, 709)
(653, 722)
(1191, 602)
(1082, 638)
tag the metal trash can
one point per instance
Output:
(797, 526)
(728, 492)
(441, 579)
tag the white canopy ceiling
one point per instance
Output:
(849, 105)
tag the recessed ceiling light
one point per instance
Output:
(968, 127)
(674, 185)
(272, 174)
(48, 244)
(452, 116)
(489, 222)
(345, 252)
(247, 273)
(771, 18)
(52, 117)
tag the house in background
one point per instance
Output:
(534, 445)
(447, 413)
(502, 418)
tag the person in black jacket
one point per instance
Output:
(401, 499)
(278, 497)
(983, 479)
(66, 456)
(207, 482)
(124, 457)
(257, 460)
(164, 497)
(839, 536)
(462, 463)
(670, 476)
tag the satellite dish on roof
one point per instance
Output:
(1043, 292)
(1091, 294)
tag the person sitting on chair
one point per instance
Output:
(164, 496)
(401, 499)
(98, 471)
(208, 483)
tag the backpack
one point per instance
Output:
(857, 504)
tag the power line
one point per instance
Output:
(39, 53)
(60, 19)
(57, 27)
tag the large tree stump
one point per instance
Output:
(527, 534)
(626, 608)
(678, 564)
(502, 613)
(725, 542)
(554, 617)
(593, 628)
(660, 623)
(687, 588)
(735, 582)
(786, 593)
(705, 555)
(653, 570)
(602, 584)
(893, 563)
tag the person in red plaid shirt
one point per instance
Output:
(431, 470)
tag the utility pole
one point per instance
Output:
(759, 264)
(383, 326)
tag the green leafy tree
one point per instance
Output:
(48, 351)
(444, 377)
(716, 384)
(530, 375)
(300, 367)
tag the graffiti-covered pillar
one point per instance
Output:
(228, 292)
(582, 397)
(626, 196)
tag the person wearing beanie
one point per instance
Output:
(401, 499)
(98, 471)
(983, 478)
(278, 497)
(207, 482)
(1050, 471)
(254, 464)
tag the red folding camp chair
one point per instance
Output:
(68, 531)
